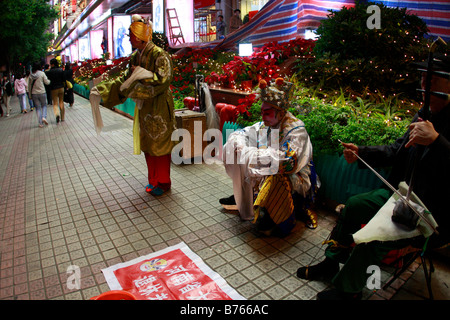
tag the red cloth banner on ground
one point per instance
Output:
(175, 273)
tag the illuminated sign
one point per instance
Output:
(74, 52)
(84, 48)
(96, 44)
(122, 44)
(158, 16)
(245, 49)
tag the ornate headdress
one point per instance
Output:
(278, 93)
(142, 28)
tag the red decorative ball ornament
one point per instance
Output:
(279, 81)
(262, 84)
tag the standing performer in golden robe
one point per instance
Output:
(147, 82)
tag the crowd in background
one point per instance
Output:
(36, 88)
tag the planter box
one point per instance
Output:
(227, 129)
(230, 96)
(340, 180)
(195, 124)
(82, 91)
(126, 108)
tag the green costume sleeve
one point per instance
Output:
(110, 89)
(110, 92)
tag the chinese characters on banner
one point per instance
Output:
(175, 273)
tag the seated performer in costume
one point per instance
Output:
(147, 82)
(431, 186)
(270, 160)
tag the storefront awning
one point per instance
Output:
(198, 4)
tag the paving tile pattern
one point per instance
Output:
(69, 197)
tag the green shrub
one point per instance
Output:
(320, 123)
(360, 60)
(327, 124)
(328, 120)
(178, 103)
(345, 32)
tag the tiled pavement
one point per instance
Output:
(70, 197)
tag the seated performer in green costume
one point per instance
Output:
(431, 185)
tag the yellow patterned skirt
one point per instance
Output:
(276, 198)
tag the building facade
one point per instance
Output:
(88, 29)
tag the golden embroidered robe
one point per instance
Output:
(157, 116)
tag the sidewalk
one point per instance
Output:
(70, 197)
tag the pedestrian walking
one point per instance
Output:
(37, 81)
(30, 101)
(235, 20)
(1, 102)
(68, 91)
(220, 27)
(20, 88)
(56, 77)
(47, 87)
(7, 89)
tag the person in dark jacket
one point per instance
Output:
(47, 87)
(431, 185)
(56, 77)
(220, 27)
(68, 92)
(7, 92)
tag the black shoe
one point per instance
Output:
(228, 203)
(265, 224)
(57, 119)
(335, 294)
(324, 270)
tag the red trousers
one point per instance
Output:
(159, 170)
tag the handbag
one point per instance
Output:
(69, 84)
(31, 89)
